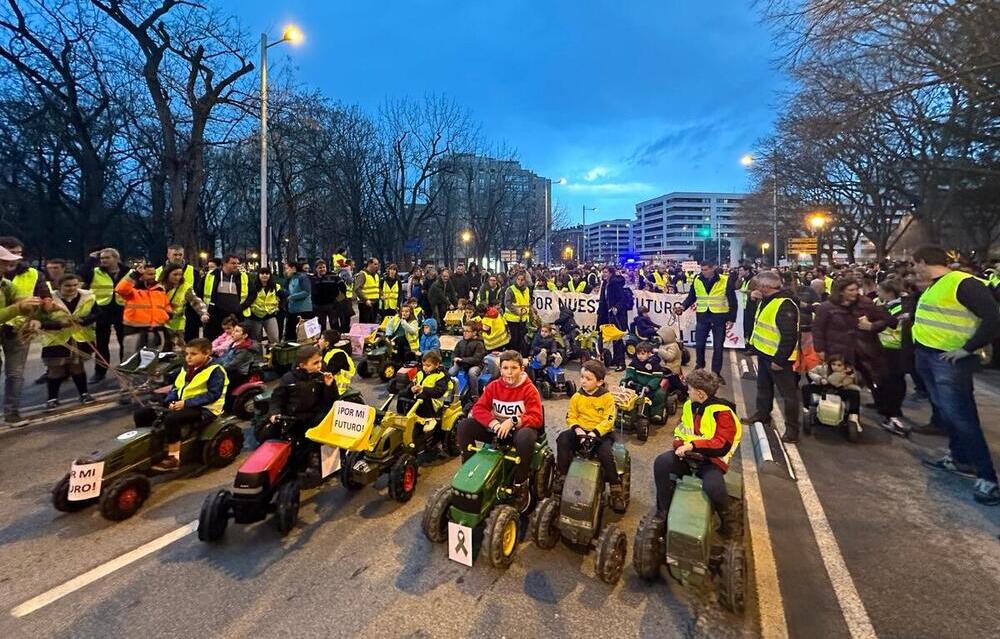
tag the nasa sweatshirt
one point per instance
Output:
(501, 401)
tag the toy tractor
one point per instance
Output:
(479, 493)
(550, 379)
(830, 409)
(380, 357)
(633, 410)
(145, 371)
(395, 442)
(452, 322)
(687, 545)
(128, 464)
(587, 345)
(262, 404)
(577, 516)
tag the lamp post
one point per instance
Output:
(763, 249)
(290, 34)
(548, 216)
(586, 235)
(747, 161)
(817, 221)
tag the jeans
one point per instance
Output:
(668, 465)
(110, 317)
(327, 315)
(469, 430)
(259, 327)
(15, 355)
(474, 373)
(785, 381)
(567, 443)
(950, 389)
(716, 325)
(368, 314)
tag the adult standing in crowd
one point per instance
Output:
(12, 306)
(517, 308)
(227, 292)
(460, 281)
(475, 280)
(192, 323)
(101, 280)
(714, 299)
(265, 299)
(324, 296)
(366, 288)
(430, 276)
(442, 296)
(490, 293)
(27, 283)
(299, 298)
(775, 339)
(147, 308)
(890, 389)
(956, 316)
(389, 291)
(611, 310)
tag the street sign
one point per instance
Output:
(412, 245)
(802, 245)
(508, 256)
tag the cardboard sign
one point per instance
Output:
(346, 426)
(690, 265)
(313, 329)
(460, 543)
(85, 481)
(329, 460)
(146, 358)
(449, 342)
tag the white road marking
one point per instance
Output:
(853, 609)
(105, 569)
(770, 604)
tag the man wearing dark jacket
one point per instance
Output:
(442, 296)
(325, 287)
(775, 338)
(714, 297)
(460, 282)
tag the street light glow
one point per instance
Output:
(292, 34)
(746, 160)
(466, 236)
(765, 246)
(817, 220)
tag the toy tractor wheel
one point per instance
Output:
(734, 517)
(403, 478)
(627, 485)
(451, 442)
(221, 450)
(387, 372)
(852, 431)
(642, 429)
(543, 522)
(214, 516)
(364, 370)
(612, 546)
(545, 388)
(543, 476)
(630, 349)
(570, 389)
(435, 520)
(60, 498)
(124, 497)
(243, 404)
(807, 423)
(648, 551)
(500, 535)
(346, 478)
(671, 405)
(286, 507)
(732, 577)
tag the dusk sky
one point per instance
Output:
(626, 100)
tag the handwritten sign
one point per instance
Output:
(312, 328)
(85, 481)
(346, 426)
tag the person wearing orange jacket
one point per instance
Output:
(147, 309)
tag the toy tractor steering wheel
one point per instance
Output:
(587, 444)
(694, 460)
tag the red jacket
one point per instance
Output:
(720, 444)
(501, 401)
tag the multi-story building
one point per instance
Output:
(675, 226)
(607, 240)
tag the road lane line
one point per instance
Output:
(105, 569)
(853, 609)
(771, 607)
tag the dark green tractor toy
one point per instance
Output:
(577, 516)
(688, 546)
(479, 494)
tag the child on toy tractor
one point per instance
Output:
(306, 393)
(429, 340)
(239, 356)
(834, 377)
(710, 428)
(570, 331)
(645, 372)
(336, 360)
(468, 356)
(643, 327)
(197, 395)
(545, 348)
(430, 384)
(509, 406)
(591, 414)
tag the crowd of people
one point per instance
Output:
(843, 328)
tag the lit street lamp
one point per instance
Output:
(764, 247)
(290, 34)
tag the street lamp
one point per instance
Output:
(764, 247)
(293, 35)
(548, 217)
(747, 161)
(586, 235)
(817, 221)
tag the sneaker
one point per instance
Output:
(52, 404)
(986, 493)
(619, 368)
(617, 498)
(948, 464)
(13, 419)
(167, 464)
(86, 398)
(895, 426)
(521, 497)
(928, 429)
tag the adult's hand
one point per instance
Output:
(684, 450)
(775, 367)
(729, 325)
(27, 305)
(864, 323)
(953, 356)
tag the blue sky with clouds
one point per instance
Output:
(626, 99)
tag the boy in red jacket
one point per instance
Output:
(709, 427)
(509, 404)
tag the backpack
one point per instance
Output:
(629, 298)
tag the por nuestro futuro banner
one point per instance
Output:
(661, 310)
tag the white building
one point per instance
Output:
(673, 226)
(607, 240)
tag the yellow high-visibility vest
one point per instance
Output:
(766, 336)
(24, 286)
(521, 298)
(266, 302)
(685, 427)
(343, 378)
(714, 301)
(941, 321)
(389, 295)
(102, 286)
(244, 289)
(199, 386)
(370, 290)
(892, 338)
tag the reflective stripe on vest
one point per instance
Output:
(343, 378)
(520, 299)
(941, 321)
(370, 290)
(892, 338)
(199, 386)
(706, 426)
(266, 302)
(177, 320)
(714, 301)
(102, 286)
(244, 289)
(766, 336)
(389, 295)
(24, 286)
(429, 381)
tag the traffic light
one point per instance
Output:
(705, 231)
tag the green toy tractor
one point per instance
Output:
(380, 357)
(577, 516)
(632, 411)
(129, 458)
(688, 546)
(479, 493)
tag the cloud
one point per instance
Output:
(610, 187)
(689, 140)
(596, 173)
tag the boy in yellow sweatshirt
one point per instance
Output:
(591, 414)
